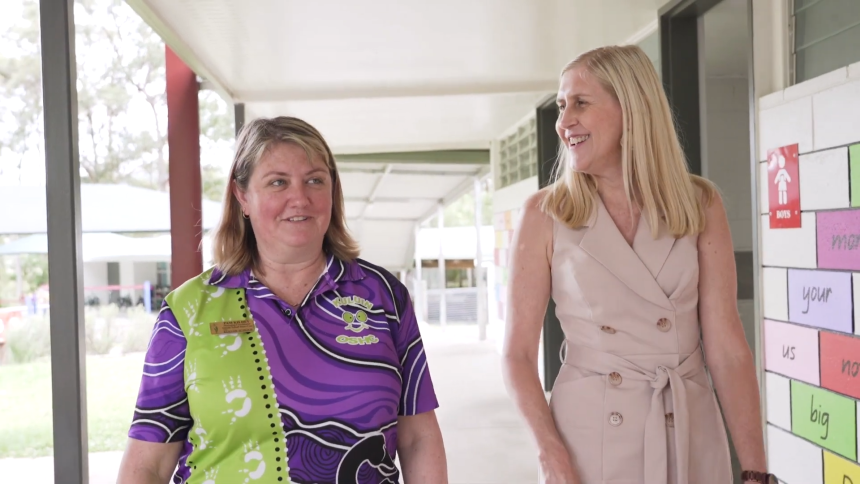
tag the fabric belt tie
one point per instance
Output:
(656, 451)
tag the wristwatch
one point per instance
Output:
(761, 477)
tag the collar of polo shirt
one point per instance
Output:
(336, 270)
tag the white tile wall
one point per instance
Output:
(856, 283)
(775, 293)
(824, 180)
(514, 196)
(778, 400)
(816, 85)
(793, 459)
(789, 247)
(835, 114)
(854, 70)
(786, 124)
(771, 100)
(819, 114)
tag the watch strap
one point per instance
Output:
(756, 476)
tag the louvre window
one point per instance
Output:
(518, 155)
(826, 36)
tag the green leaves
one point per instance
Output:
(122, 106)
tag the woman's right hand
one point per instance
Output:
(557, 468)
(529, 287)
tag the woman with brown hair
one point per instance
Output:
(292, 360)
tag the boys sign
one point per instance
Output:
(783, 182)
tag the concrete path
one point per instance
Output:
(485, 440)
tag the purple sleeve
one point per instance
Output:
(417, 395)
(162, 414)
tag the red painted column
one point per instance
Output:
(183, 140)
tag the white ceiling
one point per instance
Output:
(381, 76)
(392, 75)
(384, 201)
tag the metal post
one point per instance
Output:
(440, 215)
(238, 116)
(479, 266)
(418, 282)
(63, 188)
(19, 280)
(147, 296)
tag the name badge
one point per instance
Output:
(232, 327)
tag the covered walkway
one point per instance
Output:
(414, 100)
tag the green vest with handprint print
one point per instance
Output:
(237, 435)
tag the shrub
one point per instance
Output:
(138, 330)
(100, 329)
(28, 339)
(106, 329)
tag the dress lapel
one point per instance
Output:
(653, 252)
(604, 242)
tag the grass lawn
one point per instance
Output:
(25, 404)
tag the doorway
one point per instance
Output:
(707, 71)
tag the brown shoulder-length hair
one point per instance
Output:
(234, 245)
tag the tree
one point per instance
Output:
(122, 109)
(216, 144)
(21, 91)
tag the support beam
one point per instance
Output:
(370, 198)
(418, 291)
(238, 116)
(456, 193)
(345, 168)
(479, 266)
(183, 139)
(63, 189)
(19, 280)
(443, 309)
(391, 199)
(439, 157)
(319, 91)
(380, 219)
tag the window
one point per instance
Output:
(162, 277)
(518, 155)
(826, 36)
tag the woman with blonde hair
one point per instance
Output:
(637, 256)
(290, 361)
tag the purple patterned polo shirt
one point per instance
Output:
(358, 318)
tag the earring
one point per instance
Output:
(245, 216)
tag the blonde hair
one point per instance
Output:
(234, 244)
(656, 176)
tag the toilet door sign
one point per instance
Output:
(783, 187)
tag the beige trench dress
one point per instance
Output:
(633, 401)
